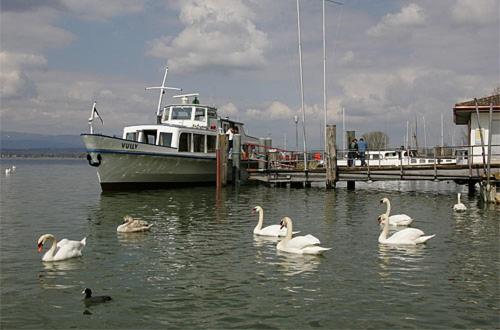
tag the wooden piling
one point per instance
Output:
(236, 157)
(268, 142)
(331, 156)
(262, 152)
(221, 154)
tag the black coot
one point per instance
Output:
(89, 300)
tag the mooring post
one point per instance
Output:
(222, 159)
(331, 156)
(261, 156)
(268, 142)
(236, 158)
(351, 185)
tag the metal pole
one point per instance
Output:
(343, 129)
(325, 157)
(302, 88)
(480, 134)
(425, 137)
(442, 134)
(296, 120)
(489, 151)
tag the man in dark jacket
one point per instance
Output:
(353, 150)
(362, 146)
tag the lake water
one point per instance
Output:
(201, 267)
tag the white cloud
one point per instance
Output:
(14, 80)
(276, 110)
(410, 16)
(475, 11)
(32, 31)
(218, 34)
(102, 10)
(228, 110)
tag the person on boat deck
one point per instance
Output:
(353, 150)
(362, 146)
(230, 134)
(196, 101)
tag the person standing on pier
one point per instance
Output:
(362, 146)
(353, 150)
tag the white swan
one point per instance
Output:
(272, 230)
(396, 219)
(62, 250)
(131, 225)
(300, 244)
(459, 207)
(407, 236)
(8, 171)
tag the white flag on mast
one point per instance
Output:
(95, 114)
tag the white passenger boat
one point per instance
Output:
(179, 150)
(397, 158)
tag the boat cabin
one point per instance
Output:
(185, 127)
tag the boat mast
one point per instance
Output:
(302, 88)
(442, 131)
(425, 136)
(162, 89)
(324, 72)
(343, 129)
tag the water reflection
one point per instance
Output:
(259, 241)
(128, 239)
(55, 273)
(294, 264)
(395, 260)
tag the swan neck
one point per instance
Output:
(52, 250)
(458, 197)
(385, 230)
(388, 210)
(261, 219)
(289, 229)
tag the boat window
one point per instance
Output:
(376, 156)
(212, 113)
(198, 143)
(184, 142)
(199, 114)
(149, 136)
(181, 113)
(211, 143)
(131, 136)
(165, 139)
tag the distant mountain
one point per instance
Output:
(25, 141)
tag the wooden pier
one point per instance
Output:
(457, 173)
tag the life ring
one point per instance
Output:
(92, 163)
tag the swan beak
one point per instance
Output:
(283, 224)
(379, 219)
(40, 247)
(381, 201)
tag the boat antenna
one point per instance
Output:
(162, 89)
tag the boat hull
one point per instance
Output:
(123, 164)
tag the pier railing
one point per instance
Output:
(474, 157)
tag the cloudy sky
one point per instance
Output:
(389, 62)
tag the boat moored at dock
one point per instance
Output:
(179, 149)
